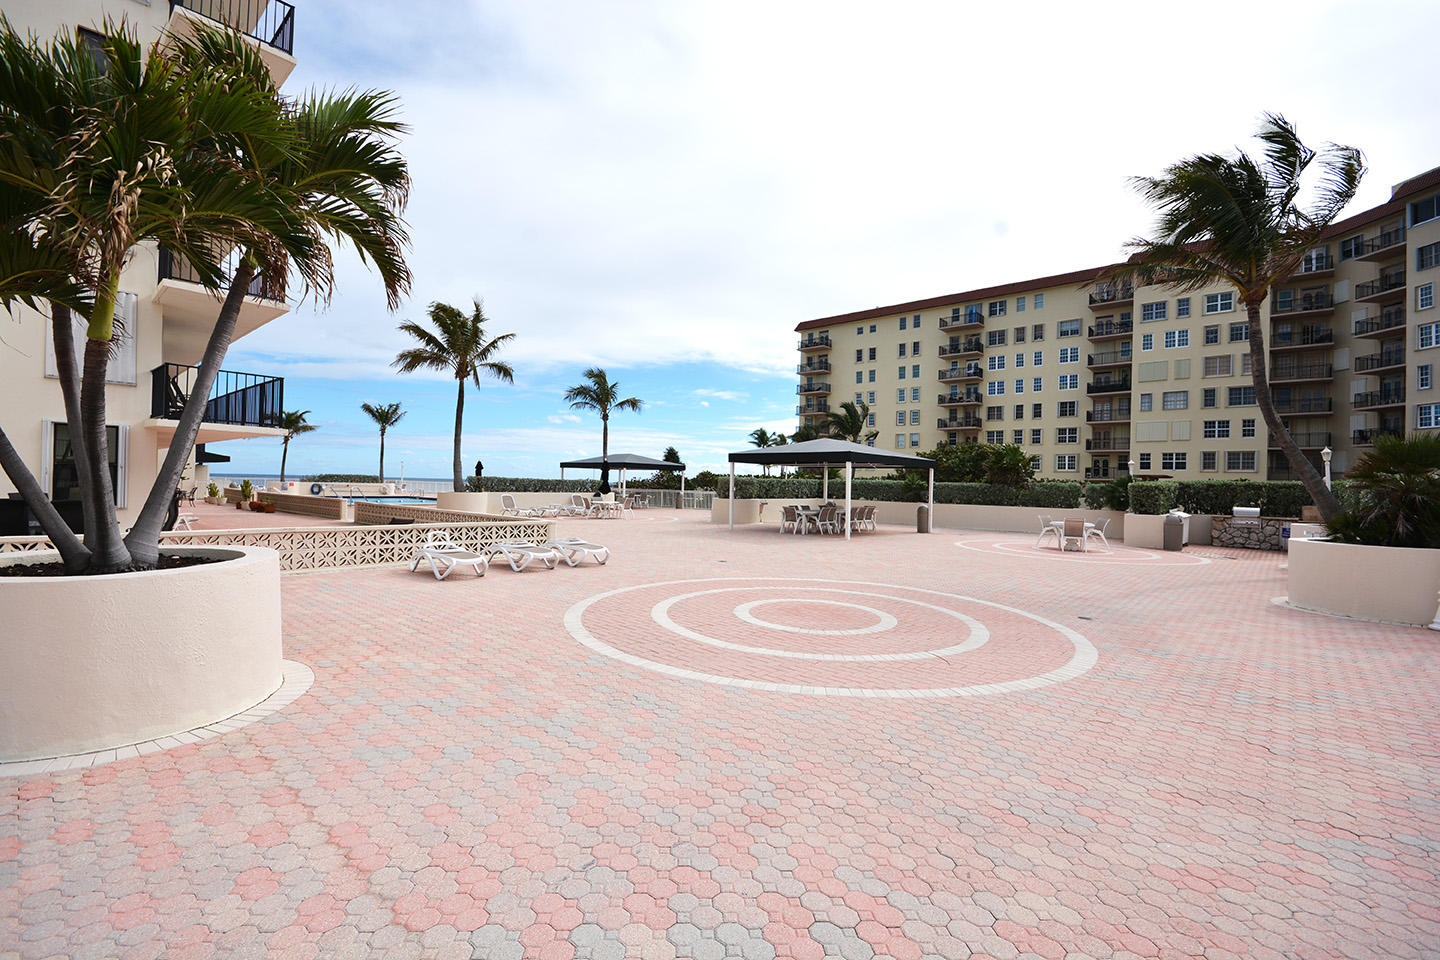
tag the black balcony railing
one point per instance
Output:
(1305, 337)
(271, 22)
(175, 267)
(1301, 371)
(819, 408)
(970, 372)
(814, 343)
(1109, 444)
(1305, 405)
(1388, 320)
(1115, 385)
(1107, 416)
(1393, 357)
(1310, 439)
(812, 388)
(813, 366)
(1105, 359)
(959, 423)
(970, 317)
(957, 347)
(1383, 241)
(1107, 293)
(966, 396)
(1112, 328)
(1387, 282)
(1389, 397)
(243, 399)
(1367, 437)
(1315, 263)
(1304, 303)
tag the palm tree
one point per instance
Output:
(762, 438)
(850, 422)
(602, 396)
(459, 346)
(385, 415)
(1238, 220)
(293, 423)
(804, 433)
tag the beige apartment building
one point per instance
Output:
(167, 315)
(1089, 377)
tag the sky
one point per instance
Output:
(665, 189)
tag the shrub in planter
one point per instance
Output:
(1392, 495)
(1275, 498)
(212, 491)
(247, 490)
(1153, 496)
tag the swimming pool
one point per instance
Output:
(393, 499)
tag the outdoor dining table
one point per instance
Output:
(806, 515)
(608, 509)
(1059, 527)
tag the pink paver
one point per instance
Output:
(466, 778)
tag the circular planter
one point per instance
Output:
(1394, 584)
(92, 663)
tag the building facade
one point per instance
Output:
(1089, 376)
(165, 314)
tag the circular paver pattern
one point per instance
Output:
(1024, 547)
(907, 641)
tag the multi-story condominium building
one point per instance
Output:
(166, 315)
(1090, 376)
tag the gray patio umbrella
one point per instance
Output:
(622, 462)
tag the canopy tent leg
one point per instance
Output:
(680, 501)
(732, 497)
(562, 473)
(930, 497)
(849, 474)
(825, 482)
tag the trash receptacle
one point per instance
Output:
(922, 519)
(1174, 532)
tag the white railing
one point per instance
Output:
(663, 499)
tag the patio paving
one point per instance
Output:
(947, 746)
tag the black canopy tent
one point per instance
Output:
(623, 462)
(826, 453)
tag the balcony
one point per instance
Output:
(959, 350)
(240, 404)
(270, 24)
(814, 366)
(1393, 396)
(964, 398)
(1378, 326)
(1109, 329)
(1109, 295)
(1296, 405)
(1366, 438)
(1306, 338)
(1108, 444)
(972, 317)
(961, 374)
(1389, 243)
(958, 423)
(1305, 439)
(821, 342)
(1384, 360)
(1389, 286)
(1315, 265)
(190, 309)
(1282, 372)
(817, 409)
(1305, 305)
(1112, 359)
(1109, 385)
(812, 388)
(1120, 415)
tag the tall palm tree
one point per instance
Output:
(385, 415)
(602, 396)
(1239, 220)
(804, 433)
(459, 346)
(293, 423)
(762, 438)
(850, 422)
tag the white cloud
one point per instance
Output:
(720, 394)
(563, 418)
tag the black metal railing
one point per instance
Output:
(1386, 282)
(1305, 438)
(1304, 337)
(812, 388)
(1111, 293)
(971, 372)
(1305, 405)
(1112, 328)
(959, 423)
(811, 343)
(1367, 437)
(1301, 371)
(175, 267)
(1388, 397)
(271, 22)
(1104, 359)
(1107, 416)
(968, 396)
(1302, 304)
(1116, 444)
(971, 317)
(1388, 319)
(801, 411)
(1393, 357)
(1383, 241)
(954, 347)
(1114, 385)
(1315, 263)
(813, 366)
(242, 399)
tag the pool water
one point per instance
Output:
(395, 499)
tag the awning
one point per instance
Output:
(627, 461)
(833, 452)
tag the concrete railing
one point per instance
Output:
(378, 513)
(958, 516)
(330, 508)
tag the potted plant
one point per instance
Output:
(212, 494)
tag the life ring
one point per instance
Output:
(316, 489)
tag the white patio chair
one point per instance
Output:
(828, 521)
(1099, 532)
(869, 516)
(573, 550)
(184, 520)
(520, 553)
(444, 556)
(789, 518)
(1047, 529)
(1073, 532)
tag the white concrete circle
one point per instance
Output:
(1115, 555)
(883, 620)
(1084, 657)
(660, 613)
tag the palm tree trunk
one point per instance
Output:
(1304, 469)
(144, 537)
(459, 420)
(605, 437)
(73, 553)
(382, 454)
(284, 454)
(63, 335)
(107, 550)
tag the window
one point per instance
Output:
(1069, 381)
(995, 362)
(1207, 397)
(860, 355)
(1019, 360)
(858, 400)
(1240, 397)
(870, 397)
(1239, 332)
(899, 418)
(1037, 358)
(1175, 400)
(1147, 341)
(915, 349)
(62, 478)
(1066, 408)
(994, 436)
(860, 331)
(1218, 366)
(870, 421)
(1245, 364)
(870, 377)
(1423, 377)
(1220, 302)
(1207, 460)
(872, 328)
(997, 308)
(859, 376)
(900, 395)
(1217, 429)
(994, 413)
(995, 388)
(1067, 434)
(1173, 461)
(1212, 333)
(1176, 338)
(1069, 354)
(1035, 384)
(995, 338)
(1352, 246)
(1427, 256)
(1066, 462)
(122, 366)
(1068, 328)
(1037, 331)
(899, 441)
(1425, 296)
(914, 439)
(872, 354)
(1427, 335)
(914, 418)
(1240, 460)
(1035, 437)
(902, 349)
(1037, 410)
(902, 323)
(914, 394)
(1150, 312)
(1144, 461)
(1017, 436)
(1423, 211)
(1019, 413)
(1019, 304)
(915, 322)
(1039, 299)
(1182, 307)
(1247, 426)
(901, 374)
(1427, 416)
(1147, 401)
(1019, 334)
(914, 371)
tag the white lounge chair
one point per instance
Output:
(444, 555)
(1073, 532)
(572, 550)
(1047, 529)
(520, 553)
(509, 509)
(1098, 532)
(578, 507)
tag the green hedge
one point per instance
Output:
(1154, 496)
(342, 478)
(534, 484)
(1275, 498)
(1055, 494)
(1093, 495)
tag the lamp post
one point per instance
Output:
(1132, 469)
(1325, 455)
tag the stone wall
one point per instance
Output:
(379, 513)
(1248, 534)
(331, 508)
